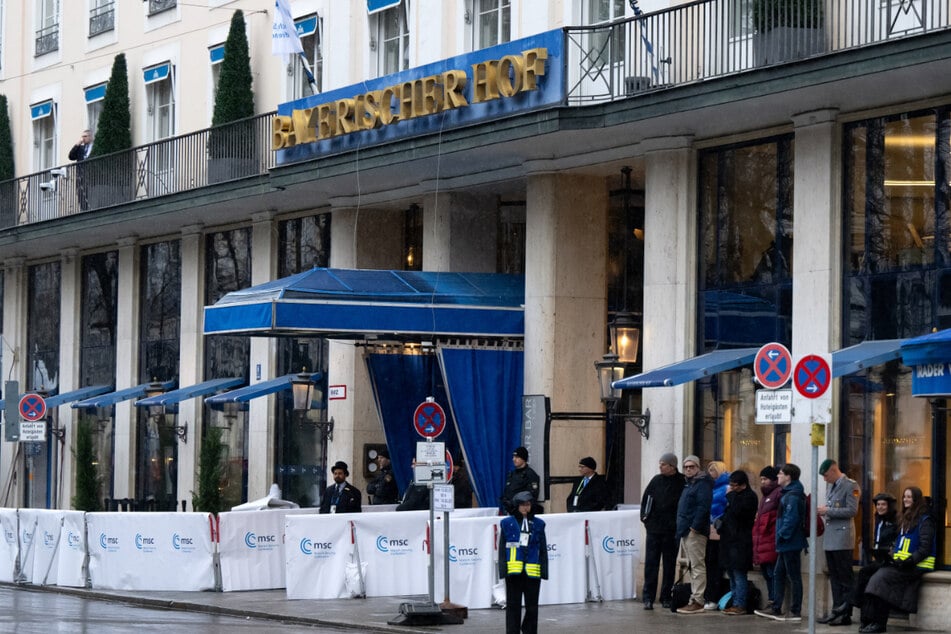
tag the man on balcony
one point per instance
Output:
(79, 153)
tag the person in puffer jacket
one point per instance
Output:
(764, 528)
(720, 475)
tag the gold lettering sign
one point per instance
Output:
(493, 79)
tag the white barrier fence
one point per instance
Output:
(592, 556)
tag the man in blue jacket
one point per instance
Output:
(693, 527)
(790, 542)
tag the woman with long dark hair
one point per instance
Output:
(896, 584)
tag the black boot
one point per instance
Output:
(842, 619)
(845, 608)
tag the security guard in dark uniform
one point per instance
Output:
(523, 563)
(521, 478)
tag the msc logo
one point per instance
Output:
(144, 543)
(552, 548)
(309, 547)
(611, 545)
(458, 553)
(48, 540)
(73, 540)
(182, 543)
(10, 536)
(252, 540)
(108, 543)
(27, 537)
(384, 544)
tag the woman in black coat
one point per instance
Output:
(736, 539)
(896, 584)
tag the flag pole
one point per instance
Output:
(310, 74)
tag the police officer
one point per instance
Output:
(521, 478)
(523, 563)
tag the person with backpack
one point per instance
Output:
(839, 511)
(790, 542)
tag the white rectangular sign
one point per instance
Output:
(337, 393)
(443, 497)
(773, 407)
(431, 452)
(32, 431)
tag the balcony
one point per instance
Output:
(102, 19)
(47, 40)
(170, 166)
(653, 52)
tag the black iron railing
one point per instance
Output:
(713, 38)
(47, 40)
(102, 18)
(157, 6)
(190, 161)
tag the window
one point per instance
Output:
(102, 16)
(413, 238)
(94, 98)
(491, 22)
(157, 6)
(160, 101)
(391, 41)
(44, 135)
(47, 27)
(216, 54)
(607, 43)
(311, 33)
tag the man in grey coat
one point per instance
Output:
(842, 504)
(693, 527)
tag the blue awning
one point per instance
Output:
(353, 303)
(380, 5)
(934, 347)
(249, 392)
(76, 395)
(156, 73)
(41, 110)
(690, 369)
(864, 355)
(111, 398)
(216, 54)
(306, 26)
(192, 391)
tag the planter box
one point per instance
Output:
(785, 44)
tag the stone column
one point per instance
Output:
(817, 302)
(70, 302)
(670, 255)
(565, 310)
(360, 239)
(460, 232)
(261, 433)
(15, 283)
(191, 356)
(127, 368)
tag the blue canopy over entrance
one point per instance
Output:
(353, 303)
(934, 347)
(864, 355)
(690, 369)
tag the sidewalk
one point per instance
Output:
(372, 615)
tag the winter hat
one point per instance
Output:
(769, 472)
(692, 458)
(521, 452)
(589, 462)
(669, 458)
(523, 496)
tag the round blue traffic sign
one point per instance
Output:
(773, 365)
(812, 376)
(429, 419)
(32, 407)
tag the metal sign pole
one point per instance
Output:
(817, 434)
(432, 548)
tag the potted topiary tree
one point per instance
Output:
(88, 483)
(8, 197)
(209, 498)
(109, 173)
(231, 141)
(787, 30)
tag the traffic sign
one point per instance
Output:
(448, 466)
(429, 419)
(33, 431)
(32, 407)
(773, 365)
(773, 407)
(812, 376)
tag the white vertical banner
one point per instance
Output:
(565, 533)
(9, 544)
(251, 548)
(393, 547)
(47, 545)
(317, 551)
(72, 550)
(472, 569)
(615, 547)
(27, 524)
(151, 551)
